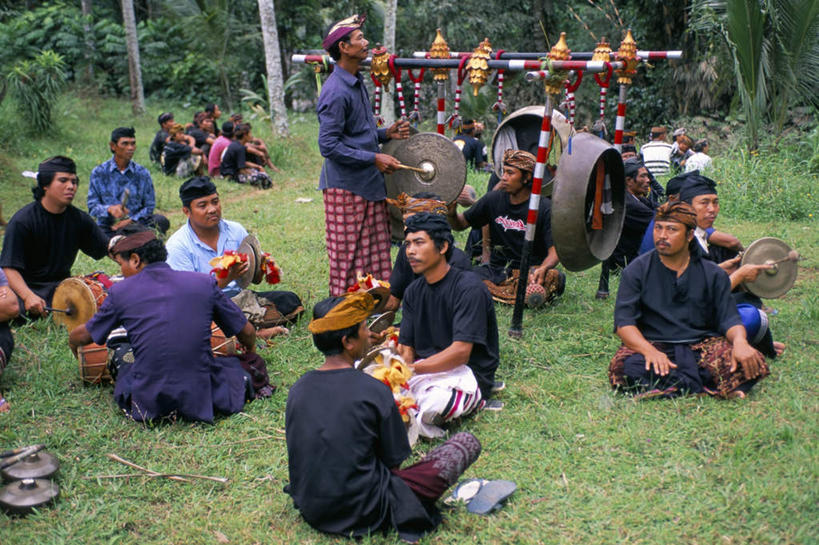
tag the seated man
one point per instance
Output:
(344, 453)
(656, 154)
(174, 373)
(680, 328)
(473, 149)
(121, 192)
(9, 309)
(202, 132)
(206, 235)
(679, 158)
(505, 213)
(181, 157)
(700, 160)
(402, 275)
(42, 239)
(449, 333)
(214, 113)
(234, 164)
(165, 121)
(639, 213)
(218, 148)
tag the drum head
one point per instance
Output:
(73, 295)
(445, 163)
(246, 247)
(775, 282)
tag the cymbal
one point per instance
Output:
(442, 166)
(381, 296)
(40, 465)
(247, 247)
(258, 276)
(382, 322)
(777, 281)
(73, 295)
(23, 496)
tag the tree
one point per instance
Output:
(89, 40)
(134, 69)
(275, 81)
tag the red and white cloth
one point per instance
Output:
(358, 238)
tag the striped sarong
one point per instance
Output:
(358, 238)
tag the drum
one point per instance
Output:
(80, 297)
(93, 360)
(220, 344)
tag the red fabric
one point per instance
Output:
(358, 238)
(424, 480)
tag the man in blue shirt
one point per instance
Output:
(352, 178)
(121, 192)
(205, 236)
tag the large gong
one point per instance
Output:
(521, 130)
(585, 165)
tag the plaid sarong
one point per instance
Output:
(714, 356)
(358, 238)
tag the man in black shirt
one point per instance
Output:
(165, 121)
(202, 132)
(680, 328)
(235, 165)
(505, 213)
(43, 238)
(346, 440)
(473, 149)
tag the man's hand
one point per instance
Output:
(35, 305)
(399, 130)
(117, 211)
(386, 163)
(748, 357)
(658, 361)
(730, 265)
(236, 271)
(121, 224)
(749, 273)
(537, 275)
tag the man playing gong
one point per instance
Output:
(680, 328)
(505, 212)
(352, 178)
(42, 238)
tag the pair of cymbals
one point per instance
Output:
(780, 278)
(250, 245)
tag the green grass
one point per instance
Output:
(591, 466)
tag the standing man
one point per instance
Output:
(352, 179)
(657, 153)
(42, 239)
(121, 192)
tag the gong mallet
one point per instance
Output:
(67, 311)
(21, 454)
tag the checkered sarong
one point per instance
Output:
(358, 238)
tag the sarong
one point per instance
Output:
(270, 308)
(443, 397)
(713, 361)
(255, 178)
(358, 238)
(505, 291)
(441, 467)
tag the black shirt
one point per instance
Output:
(233, 159)
(158, 145)
(472, 148)
(42, 246)
(665, 308)
(639, 213)
(173, 153)
(201, 138)
(456, 308)
(507, 228)
(344, 434)
(402, 275)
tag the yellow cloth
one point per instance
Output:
(352, 310)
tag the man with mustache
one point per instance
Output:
(42, 238)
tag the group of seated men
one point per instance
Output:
(204, 147)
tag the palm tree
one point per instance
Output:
(275, 87)
(134, 69)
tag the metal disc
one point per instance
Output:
(73, 294)
(22, 496)
(578, 246)
(382, 322)
(40, 465)
(381, 296)
(246, 247)
(772, 283)
(258, 276)
(444, 162)
(368, 358)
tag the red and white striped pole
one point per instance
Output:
(441, 114)
(620, 123)
(543, 150)
(570, 89)
(415, 116)
(399, 88)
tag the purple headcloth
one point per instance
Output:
(342, 28)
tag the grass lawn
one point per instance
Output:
(591, 466)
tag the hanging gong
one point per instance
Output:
(777, 281)
(40, 465)
(75, 296)
(22, 496)
(437, 155)
(588, 202)
(248, 247)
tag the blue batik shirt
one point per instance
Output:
(107, 185)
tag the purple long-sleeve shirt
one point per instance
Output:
(348, 137)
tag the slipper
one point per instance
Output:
(465, 491)
(491, 497)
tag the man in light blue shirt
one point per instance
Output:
(206, 235)
(121, 192)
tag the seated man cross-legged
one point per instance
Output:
(449, 333)
(346, 440)
(680, 328)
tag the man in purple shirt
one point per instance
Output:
(352, 178)
(9, 309)
(168, 316)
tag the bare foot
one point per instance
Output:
(736, 394)
(270, 332)
(779, 348)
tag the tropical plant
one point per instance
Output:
(36, 85)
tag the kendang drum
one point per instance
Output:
(220, 344)
(93, 360)
(79, 297)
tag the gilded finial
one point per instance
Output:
(380, 68)
(602, 52)
(559, 52)
(439, 50)
(627, 54)
(478, 65)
